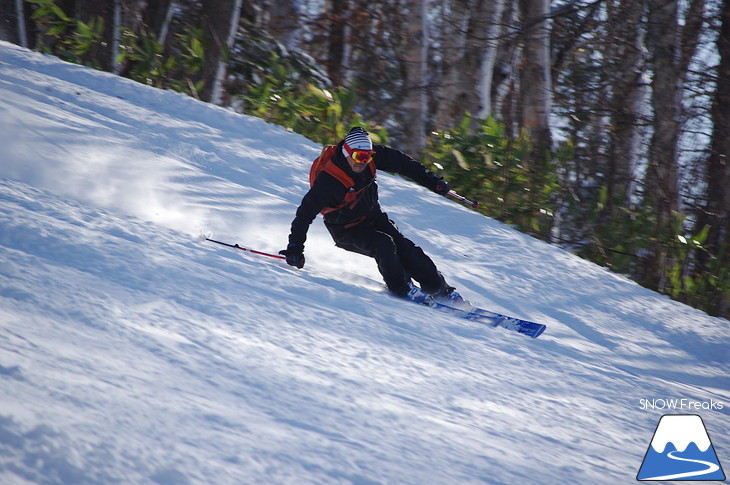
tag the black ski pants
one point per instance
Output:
(398, 258)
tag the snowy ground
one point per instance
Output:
(133, 352)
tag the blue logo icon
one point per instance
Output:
(681, 450)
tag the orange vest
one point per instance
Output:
(324, 163)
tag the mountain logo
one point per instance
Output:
(681, 450)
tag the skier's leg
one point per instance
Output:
(415, 261)
(380, 246)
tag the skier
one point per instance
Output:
(345, 192)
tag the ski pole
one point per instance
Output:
(463, 200)
(253, 251)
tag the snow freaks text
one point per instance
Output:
(688, 405)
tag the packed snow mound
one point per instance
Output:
(132, 351)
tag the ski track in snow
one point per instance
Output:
(131, 351)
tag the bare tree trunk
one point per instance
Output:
(157, 17)
(13, 26)
(336, 42)
(671, 49)
(718, 173)
(453, 47)
(505, 66)
(535, 78)
(535, 96)
(469, 60)
(22, 31)
(493, 29)
(626, 51)
(116, 35)
(717, 211)
(414, 103)
(220, 19)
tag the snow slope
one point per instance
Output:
(131, 351)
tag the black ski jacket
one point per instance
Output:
(327, 191)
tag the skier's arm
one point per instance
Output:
(392, 160)
(326, 192)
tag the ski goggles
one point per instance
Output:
(362, 156)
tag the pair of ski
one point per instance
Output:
(469, 312)
(492, 319)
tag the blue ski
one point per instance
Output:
(493, 319)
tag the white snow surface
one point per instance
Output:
(132, 351)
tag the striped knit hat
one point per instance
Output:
(356, 139)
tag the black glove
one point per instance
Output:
(441, 186)
(294, 255)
